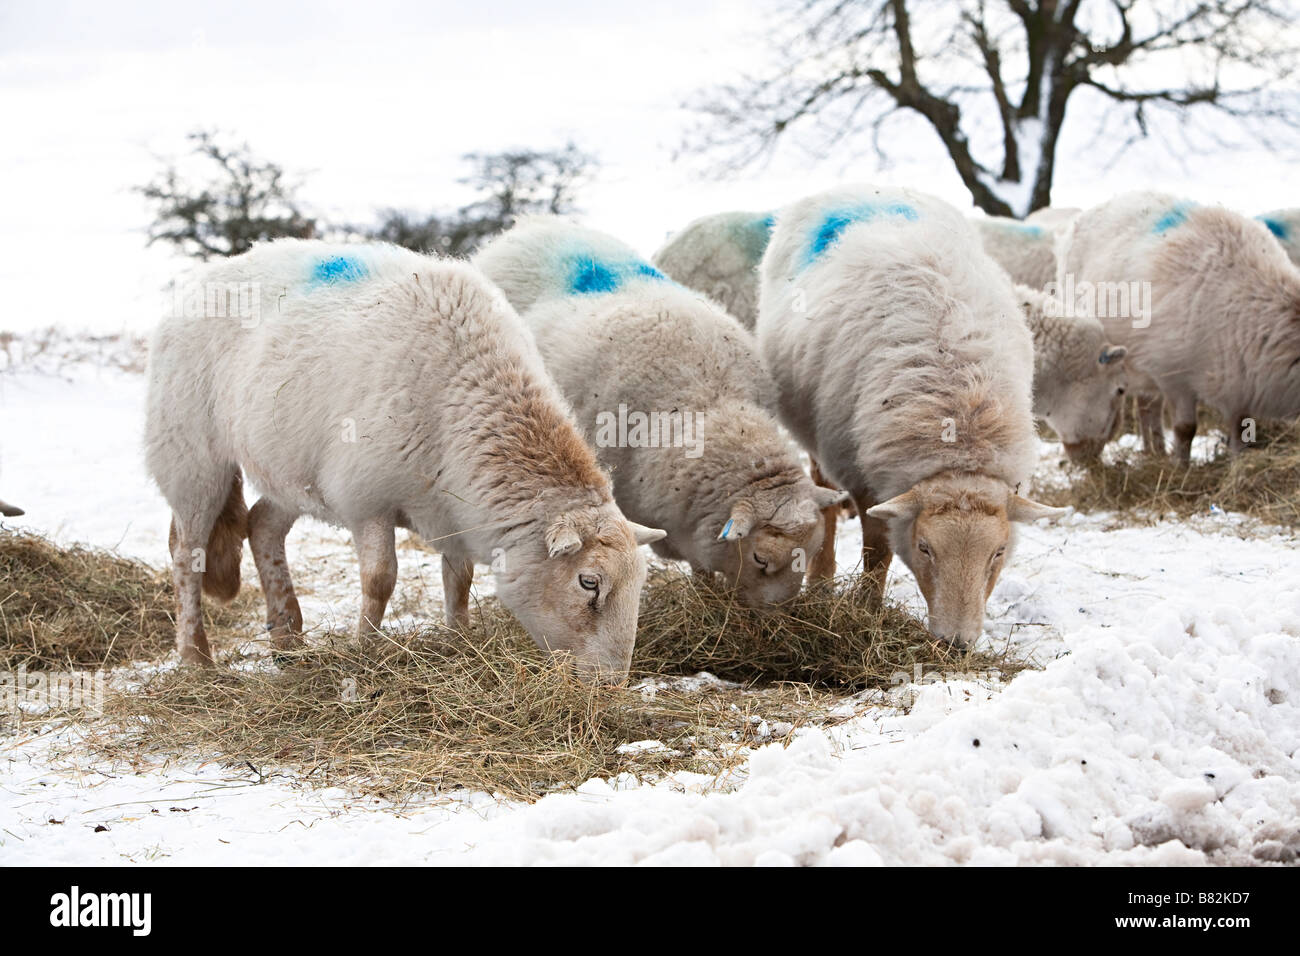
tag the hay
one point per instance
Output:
(830, 634)
(1263, 482)
(432, 709)
(82, 608)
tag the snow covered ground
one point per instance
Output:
(1163, 728)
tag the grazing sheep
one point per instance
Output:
(903, 364)
(1077, 387)
(719, 256)
(1079, 377)
(671, 392)
(1284, 224)
(1055, 218)
(1025, 250)
(10, 511)
(376, 388)
(1219, 321)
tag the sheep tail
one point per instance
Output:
(226, 545)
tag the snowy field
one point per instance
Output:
(1162, 728)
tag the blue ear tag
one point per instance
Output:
(726, 531)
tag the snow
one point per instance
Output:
(1162, 728)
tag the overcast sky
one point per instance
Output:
(372, 104)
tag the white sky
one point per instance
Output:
(372, 105)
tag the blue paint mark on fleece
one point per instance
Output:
(590, 276)
(834, 223)
(1276, 227)
(1173, 218)
(338, 269)
(1024, 228)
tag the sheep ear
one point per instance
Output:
(562, 538)
(1023, 509)
(646, 535)
(1112, 353)
(825, 498)
(905, 505)
(740, 523)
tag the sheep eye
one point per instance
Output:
(759, 560)
(1000, 552)
(1120, 390)
(923, 548)
(589, 582)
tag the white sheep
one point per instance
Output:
(1055, 218)
(904, 366)
(1079, 377)
(1025, 250)
(1284, 224)
(719, 256)
(1207, 303)
(670, 390)
(373, 388)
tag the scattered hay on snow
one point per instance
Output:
(433, 709)
(68, 608)
(829, 634)
(1262, 482)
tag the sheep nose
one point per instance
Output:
(956, 637)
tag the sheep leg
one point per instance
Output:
(1236, 425)
(1150, 424)
(187, 540)
(822, 566)
(377, 550)
(876, 552)
(1184, 406)
(457, 575)
(268, 526)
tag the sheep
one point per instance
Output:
(10, 511)
(1210, 311)
(626, 346)
(719, 256)
(1055, 218)
(904, 366)
(1079, 377)
(1284, 224)
(375, 388)
(1025, 250)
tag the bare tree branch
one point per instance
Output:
(995, 78)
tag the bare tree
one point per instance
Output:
(511, 184)
(993, 79)
(522, 182)
(240, 200)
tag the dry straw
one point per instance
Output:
(829, 634)
(422, 709)
(484, 710)
(63, 608)
(1262, 482)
